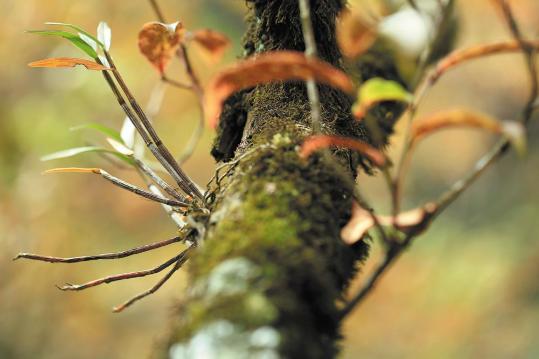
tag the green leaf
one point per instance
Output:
(87, 149)
(378, 90)
(80, 30)
(74, 39)
(107, 131)
(104, 34)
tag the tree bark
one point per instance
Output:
(271, 268)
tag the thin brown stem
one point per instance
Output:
(123, 276)
(116, 255)
(157, 10)
(391, 255)
(184, 257)
(529, 53)
(185, 182)
(148, 171)
(139, 191)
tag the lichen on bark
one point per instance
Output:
(267, 276)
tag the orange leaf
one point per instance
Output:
(158, 42)
(73, 170)
(317, 142)
(412, 221)
(213, 42)
(455, 118)
(353, 35)
(266, 68)
(68, 62)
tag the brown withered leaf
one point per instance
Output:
(158, 42)
(354, 36)
(266, 68)
(514, 131)
(317, 142)
(212, 42)
(58, 62)
(413, 221)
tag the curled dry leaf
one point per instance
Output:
(68, 62)
(266, 68)
(158, 42)
(214, 43)
(413, 221)
(353, 35)
(317, 142)
(514, 131)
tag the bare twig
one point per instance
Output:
(123, 276)
(157, 10)
(117, 255)
(392, 253)
(310, 53)
(183, 258)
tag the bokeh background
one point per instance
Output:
(468, 288)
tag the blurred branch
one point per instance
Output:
(157, 10)
(396, 247)
(530, 53)
(310, 53)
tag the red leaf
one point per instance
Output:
(266, 68)
(158, 42)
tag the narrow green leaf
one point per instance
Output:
(74, 39)
(378, 90)
(104, 34)
(79, 29)
(107, 131)
(87, 149)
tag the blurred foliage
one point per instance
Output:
(467, 289)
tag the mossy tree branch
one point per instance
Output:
(272, 267)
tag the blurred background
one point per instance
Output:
(468, 288)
